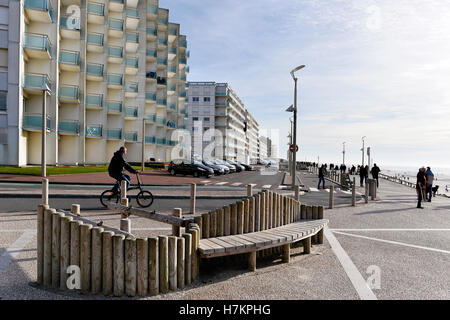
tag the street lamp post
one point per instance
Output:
(44, 134)
(294, 143)
(143, 145)
(363, 150)
(343, 153)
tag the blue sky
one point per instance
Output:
(379, 69)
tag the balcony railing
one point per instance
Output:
(37, 81)
(132, 37)
(94, 100)
(183, 111)
(132, 62)
(131, 112)
(172, 69)
(114, 106)
(114, 134)
(67, 126)
(161, 141)
(116, 24)
(152, 9)
(40, 5)
(163, 21)
(94, 131)
(131, 136)
(96, 8)
(151, 75)
(116, 52)
(162, 61)
(150, 117)
(172, 88)
(172, 106)
(183, 77)
(187, 69)
(131, 86)
(182, 44)
(162, 121)
(34, 121)
(68, 92)
(37, 42)
(161, 101)
(69, 23)
(173, 32)
(172, 50)
(162, 41)
(69, 57)
(161, 81)
(94, 70)
(132, 13)
(150, 96)
(151, 53)
(188, 54)
(171, 143)
(95, 38)
(115, 79)
(183, 60)
(150, 140)
(182, 94)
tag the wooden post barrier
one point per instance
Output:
(366, 193)
(303, 211)
(287, 253)
(315, 216)
(47, 263)
(153, 265)
(130, 266)
(194, 256)
(320, 233)
(220, 223)
(274, 210)
(173, 263)
(45, 191)
(40, 242)
(96, 270)
(353, 194)
(75, 242)
(198, 221)
(181, 262)
(307, 245)
(176, 230)
(65, 251)
(246, 214)
(309, 212)
(251, 214)
(331, 200)
(297, 193)
(75, 210)
(56, 248)
(205, 225)
(188, 257)
(163, 264)
(262, 219)
(118, 265)
(257, 212)
(85, 257)
(227, 220)
(213, 224)
(252, 261)
(240, 217)
(249, 190)
(233, 220)
(193, 197)
(107, 262)
(142, 266)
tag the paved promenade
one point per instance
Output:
(404, 252)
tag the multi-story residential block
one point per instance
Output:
(215, 110)
(252, 134)
(112, 72)
(263, 148)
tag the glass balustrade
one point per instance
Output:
(68, 127)
(114, 106)
(69, 57)
(94, 100)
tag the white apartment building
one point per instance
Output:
(113, 73)
(252, 137)
(215, 110)
(263, 148)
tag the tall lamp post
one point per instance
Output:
(294, 143)
(363, 150)
(343, 153)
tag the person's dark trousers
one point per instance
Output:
(419, 198)
(120, 177)
(361, 180)
(429, 192)
(378, 184)
(321, 179)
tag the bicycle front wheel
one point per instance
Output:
(144, 199)
(109, 196)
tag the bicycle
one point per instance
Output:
(144, 198)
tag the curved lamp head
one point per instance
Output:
(290, 109)
(296, 69)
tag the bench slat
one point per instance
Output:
(226, 245)
(207, 246)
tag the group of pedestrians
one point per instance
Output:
(364, 174)
(424, 186)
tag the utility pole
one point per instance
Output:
(44, 134)
(343, 153)
(363, 150)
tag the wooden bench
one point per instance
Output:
(252, 242)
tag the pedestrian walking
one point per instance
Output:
(362, 175)
(375, 171)
(430, 178)
(367, 173)
(420, 187)
(322, 172)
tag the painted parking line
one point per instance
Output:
(267, 186)
(393, 242)
(360, 285)
(13, 251)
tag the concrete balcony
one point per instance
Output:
(152, 33)
(131, 89)
(132, 19)
(162, 43)
(132, 42)
(68, 94)
(161, 103)
(34, 83)
(172, 34)
(131, 66)
(152, 12)
(94, 72)
(114, 107)
(150, 98)
(171, 89)
(161, 63)
(115, 28)
(33, 122)
(182, 62)
(151, 55)
(37, 46)
(160, 121)
(116, 5)
(182, 44)
(69, 60)
(182, 77)
(151, 76)
(69, 27)
(115, 54)
(94, 101)
(94, 131)
(38, 10)
(115, 81)
(131, 136)
(69, 127)
(161, 82)
(172, 53)
(96, 13)
(171, 71)
(161, 141)
(132, 3)
(150, 117)
(114, 134)
(163, 23)
(187, 69)
(150, 140)
(131, 113)
(95, 42)
(172, 107)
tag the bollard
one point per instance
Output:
(45, 192)
(163, 264)
(142, 266)
(118, 265)
(320, 233)
(220, 223)
(187, 258)
(75, 210)
(366, 193)
(40, 242)
(297, 193)
(194, 256)
(353, 193)
(193, 196)
(153, 266)
(123, 193)
(107, 262)
(249, 190)
(47, 261)
(130, 266)
(307, 245)
(176, 230)
(205, 225)
(65, 251)
(125, 224)
(56, 249)
(96, 271)
(181, 262)
(331, 200)
(172, 250)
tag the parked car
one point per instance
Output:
(246, 166)
(230, 167)
(189, 167)
(239, 168)
(218, 170)
(225, 168)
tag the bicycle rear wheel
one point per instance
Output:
(144, 199)
(109, 196)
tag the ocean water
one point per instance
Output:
(441, 176)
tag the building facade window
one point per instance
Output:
(3, 96)
(206, 99)
(195, 99)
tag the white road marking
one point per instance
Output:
(221, 183)
(360, 285)
(236, 184)
(346, 192)
(283, 187)
(267, 186)
(393, 242)
(314, 189)
(253, 184)
(15, 249)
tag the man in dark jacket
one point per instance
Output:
(322, 173)
(420, 187)
(375, 171)
(117, 165)
(362, 175)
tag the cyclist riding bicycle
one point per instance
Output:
(117, 165)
